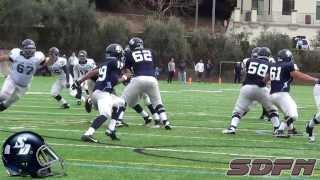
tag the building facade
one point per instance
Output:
(291, 17)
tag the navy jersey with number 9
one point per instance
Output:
(141, 62)
(109, 74)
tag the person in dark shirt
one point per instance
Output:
(254, 89)
(208, 69)
(282, 74)
(182, 72)
(141, 62)
(109, 75)
(237, 72)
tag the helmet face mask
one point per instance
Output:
(26, 153)
(28, 48)
(54, 53)
(285, 55)
(135, 43)
(115, 50)
(82, 56)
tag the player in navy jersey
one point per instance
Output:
(254, 89)
(109, 75)
(282, 73)
(141, 62)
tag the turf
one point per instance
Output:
(194, 149)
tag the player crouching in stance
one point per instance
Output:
(59, 68)
(25, 62)
(141, 62)
(254, 89)
(103, 98)
(282, 74)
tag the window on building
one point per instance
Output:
(318, 10)
(287, 7)
(259, 6)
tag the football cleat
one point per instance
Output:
(166, 125)
(88, 138)
(88, 105)
(112, 135)
(293, 132)
(157, 124)
(309, 131)
(65, 106)
(229, 130)
(147, 120)
(120, 123)
(281, 134)
(78, 102)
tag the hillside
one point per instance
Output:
(136, 21)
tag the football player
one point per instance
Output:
(103, 98)
(25, 62)
(316, 118)
(141, 62)
(83, 66)
(282, 73)
(254, 89)
(64, 79)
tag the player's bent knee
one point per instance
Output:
(160, 108)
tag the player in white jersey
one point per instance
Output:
(61, 70)
(25, 62)
(83, 66)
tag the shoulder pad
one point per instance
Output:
(14, 53)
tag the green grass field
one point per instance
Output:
(194, 149)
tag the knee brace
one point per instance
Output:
(160, 108)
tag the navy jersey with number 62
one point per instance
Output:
(280, 76)
(256, 71)
(109, 74)
(141, 62)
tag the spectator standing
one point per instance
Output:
(73, 60)
(237, 72)
(171, 70)
(199, 68)
(208, 69)
(182, 74)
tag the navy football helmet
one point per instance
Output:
(26, 153)
(54, 53)
(285, 55)
(264, 52)
(135, 43)
(82, 56)
(114, 50)
(28, 48)
(254, 52)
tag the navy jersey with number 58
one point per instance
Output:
(256, 71)
(280, 76)
(141, 62)
(109, 74)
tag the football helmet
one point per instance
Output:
(264, 52)
(28, 48)
(54, 53)
(26, 153)
(114, 50)
(82, 55)
(135, 43)
(285, 55)
(254, 52)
